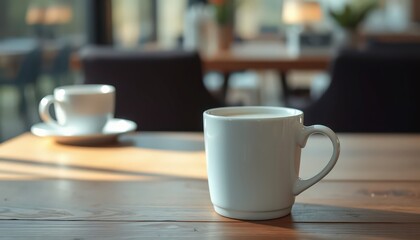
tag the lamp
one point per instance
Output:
(44, 18)
(35, 15)
(35, 18)
(299, 14)
(58, 14)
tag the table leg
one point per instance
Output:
(285, 87)
(225, 86)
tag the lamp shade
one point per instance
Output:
(54, 14)
(299, 12)
(58, 14)
(35, 15)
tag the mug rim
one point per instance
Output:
(85, 89)
(292, 113)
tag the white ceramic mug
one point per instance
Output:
(253, 159)
(79, 109)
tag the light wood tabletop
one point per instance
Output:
(154, 185)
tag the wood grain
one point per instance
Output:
(366, 157)
(199, 230)
(43, 158)
(189, 200)
(363, 157)
(155, 186)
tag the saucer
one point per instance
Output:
(111, 131)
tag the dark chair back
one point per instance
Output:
(160, 91)
(60, 64)
(371, 91)
(27, 75)
(30, 67)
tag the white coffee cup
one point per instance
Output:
(253, 159)
(79, 109)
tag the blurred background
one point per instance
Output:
(63, 27)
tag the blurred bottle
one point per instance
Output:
(199, 29)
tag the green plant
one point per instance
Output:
(224, 11)
(353, 14)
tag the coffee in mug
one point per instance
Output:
(253, 159)
(79, 109)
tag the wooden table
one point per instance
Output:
(266, 55)
(154, 185)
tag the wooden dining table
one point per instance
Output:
(154, 185)
(267, 55)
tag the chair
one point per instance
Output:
(59, 68)
(371, 91)
(160, 91)
(27, 74)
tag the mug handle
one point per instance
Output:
(300, 184)
(44, 112)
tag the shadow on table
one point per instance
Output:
(318, 221)
(189, 142)
(169, 141)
